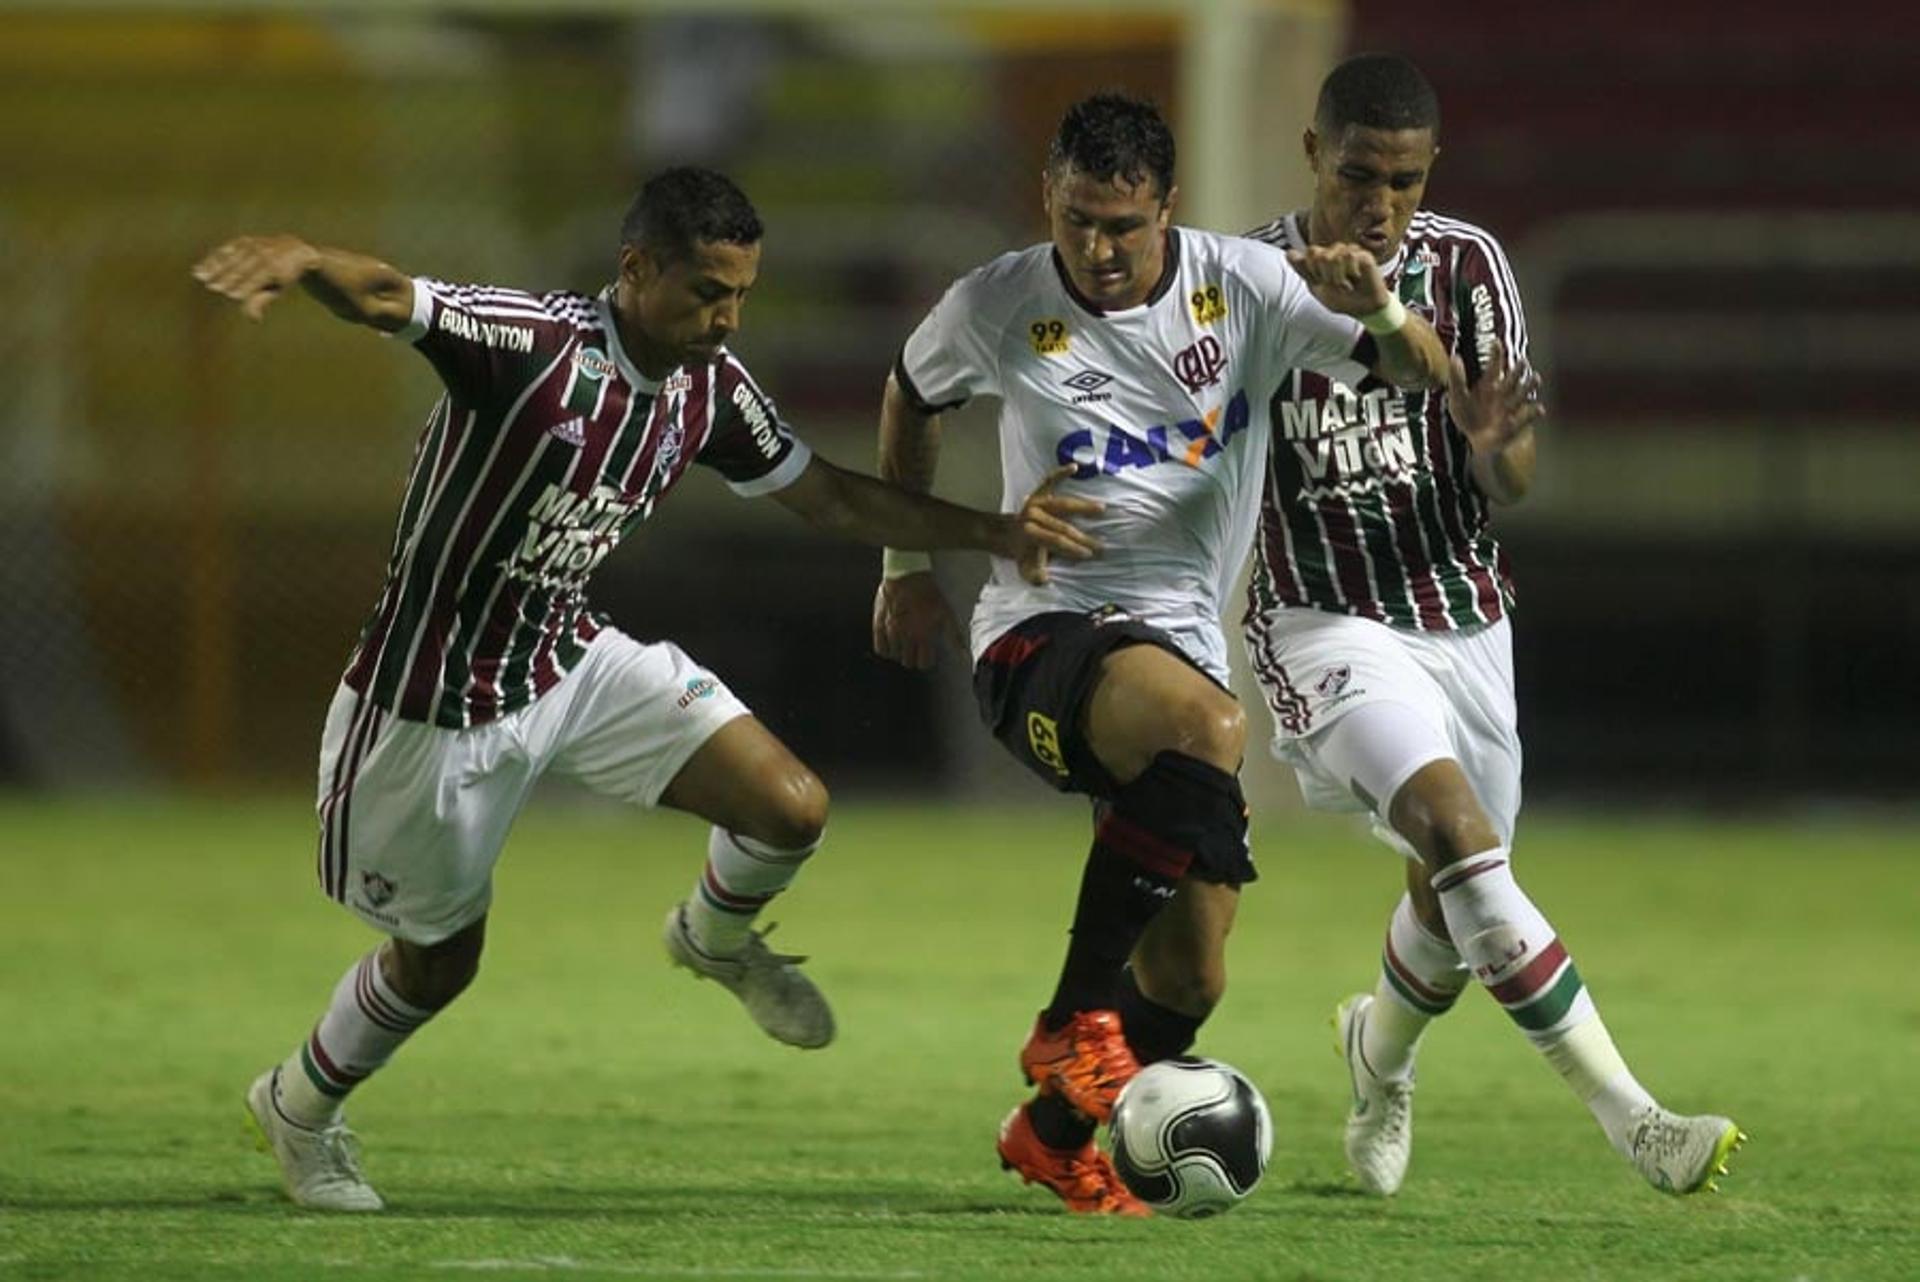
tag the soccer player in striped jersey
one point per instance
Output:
(1377, 625)
(1143, 357)
(566, 419)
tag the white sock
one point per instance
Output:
(741, 876)
(1420, 978)
(1587, 1058)
(362, 1028)
(1513, 950)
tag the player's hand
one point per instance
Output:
(255, 270)
(1499, 408)
(1041, 528)
(910, 615)
(1345, 278)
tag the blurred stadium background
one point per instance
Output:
(1713, 223)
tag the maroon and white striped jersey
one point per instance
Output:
(548, 447)
(1369, 506)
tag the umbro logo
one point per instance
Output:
(573, 431)
(1088, 383)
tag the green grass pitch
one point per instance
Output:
(585, 1112)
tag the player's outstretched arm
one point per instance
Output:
(871, 510)
(1497, 414)
(910, 613)
(1346, 279)
(254, 271)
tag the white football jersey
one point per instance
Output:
(1163, 410)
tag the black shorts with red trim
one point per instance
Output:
(1033, 681)
(1032, 685)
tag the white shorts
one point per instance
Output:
(1456, 689)
(413, 816)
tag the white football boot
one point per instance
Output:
(1681, 1155)
(1380, 1127)
(782, 1000)
(321, 1168)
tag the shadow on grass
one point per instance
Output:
(681, 1202)
(1330, 1189)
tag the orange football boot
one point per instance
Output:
(1086, 1060)
(1083, 1177)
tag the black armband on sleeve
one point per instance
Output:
(920, 403)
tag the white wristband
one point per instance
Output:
(895, 564)
(1387, 320)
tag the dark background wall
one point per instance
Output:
(1712, 215)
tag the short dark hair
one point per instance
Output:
(1114, 137)
(1376, 91)
(684, 206)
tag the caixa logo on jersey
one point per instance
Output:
(1201, 364)
(1111, 448)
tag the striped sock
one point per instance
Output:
(1512, 949)
(1421, 976)
(364, 1025)
(741, 875)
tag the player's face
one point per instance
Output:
(1111, 235)
(1367, 183)
(685, 308)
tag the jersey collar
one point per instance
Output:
(628, 370)
(1169, 272)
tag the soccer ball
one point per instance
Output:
(1191, 1136)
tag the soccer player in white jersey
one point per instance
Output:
(1377, 625)
(566, 418)
(1140, 358)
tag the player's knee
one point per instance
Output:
(1457, 835)
(1442, 819)
(1210, 726)
(1192, 808)
(433, 975)
(796, 811)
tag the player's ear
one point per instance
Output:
(637, 266)
(1310, 147)
(1166, 206)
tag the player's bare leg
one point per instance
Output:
(1172, 740)
(1179, 970)
(382, 1000)
(1511, 948)
(1180, 963)
(768, 811)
